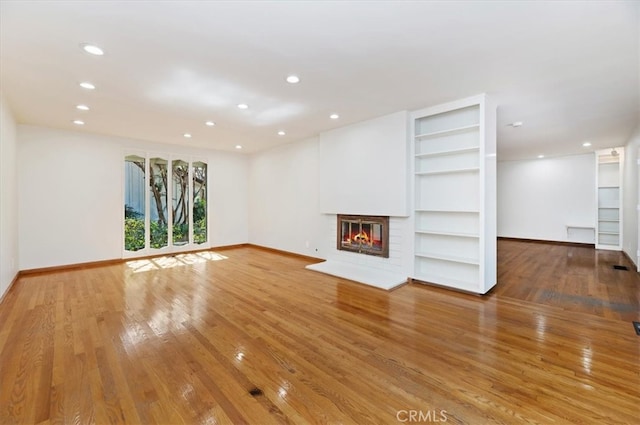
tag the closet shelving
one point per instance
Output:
(609, 165)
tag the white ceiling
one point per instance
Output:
(568, 70)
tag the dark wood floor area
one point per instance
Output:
(574, 278)
(187, 339)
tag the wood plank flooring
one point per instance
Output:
(574, 278)
(185, 339)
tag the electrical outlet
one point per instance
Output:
(306, 244)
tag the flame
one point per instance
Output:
(361, 237)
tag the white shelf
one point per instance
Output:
(447, 211)
(446, 280)
(609, 173)
(450, 171)
(446, 153)
(450, 186)
(455, 234)
(610, 245)
(450, 258)
(448, 132)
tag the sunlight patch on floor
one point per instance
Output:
(170, 261)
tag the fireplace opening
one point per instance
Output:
(364, 234)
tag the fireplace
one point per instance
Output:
(364, 234)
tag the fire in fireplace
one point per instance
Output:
(364, 234)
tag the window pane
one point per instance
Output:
(199, 202)
(180, 173)
(134, 205)
(158, 168)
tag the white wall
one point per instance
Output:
(71, 195)
(285, 213)
(283, 193)
(364, 167)
(70, 211)
(537, 199)
(229, 198)
(631, 186)
(630, 189)
(9, 259)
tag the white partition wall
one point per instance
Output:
(454, 207)
(363, 168)
(609, 164)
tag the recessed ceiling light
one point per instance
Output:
(243, 106)
(281, 133)
(82, 107)
(78, 122)
(334, 116)
(540, 156)
(187, 135)
(238, 147)
(293, 79)
(516, 124)
(92, 48)
(586, 144)
(210, 123)
(87, 85)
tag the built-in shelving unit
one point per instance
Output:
(454, 203)
(609, 164)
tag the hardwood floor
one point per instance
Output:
(185, 340)
(574, 278)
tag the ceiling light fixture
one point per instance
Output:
(586, 144)
(210, 123)
(187, 135)
(293, 79)
(92, 49)
(82, 107)
(238, 147)
(540, 156)
(78, 122)
(516, 124)
(281, 133)
(87, 85)
(243, 106)
(334, 116)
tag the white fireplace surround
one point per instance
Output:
(383, 273)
